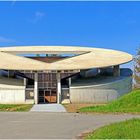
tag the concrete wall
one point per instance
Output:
(101, 93)
(12, 92)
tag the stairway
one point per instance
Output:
(48, 108)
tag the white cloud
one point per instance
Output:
(6, 40)
(37, 16)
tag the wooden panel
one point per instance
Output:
(50, 96)
(48, 99)
(53, 97)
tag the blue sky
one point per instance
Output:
(113, 25)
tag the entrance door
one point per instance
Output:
(50, 96)
(47, 96)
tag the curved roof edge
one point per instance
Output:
(85, 58)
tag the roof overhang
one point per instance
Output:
(85, 58)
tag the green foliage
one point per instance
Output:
(129, 103)
(129, 129)
(137, 70)
(15, 108)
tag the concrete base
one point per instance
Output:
(66, 101)
(102, 89)
(12, 91)
(48, 108)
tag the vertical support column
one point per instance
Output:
(116, 71)
(58, 87)
(11, 73)
(36, 88)
(69, 82)
(24, 82)
(68, 94)
(83, 73)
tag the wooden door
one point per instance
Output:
(50, 96)
(53, 96)
(47, 96)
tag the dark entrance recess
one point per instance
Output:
(47, 88)
(47, 84)
(47, 96)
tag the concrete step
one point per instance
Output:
(48, 108)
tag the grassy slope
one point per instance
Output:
(129, 103)
(14, 107)
(129, 129)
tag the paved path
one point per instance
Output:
(39, 125)
(48, 108)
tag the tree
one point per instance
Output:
(137, 70)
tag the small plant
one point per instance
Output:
(137, 70)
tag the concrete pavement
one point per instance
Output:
(48, 108)
(40, 125)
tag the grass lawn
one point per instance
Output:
(15, 107)
(129, 129)
(129, 103)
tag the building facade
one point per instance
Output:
(55, 74)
